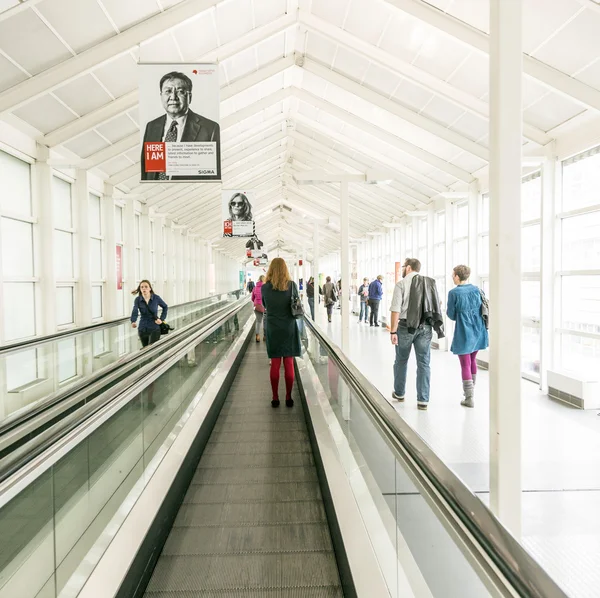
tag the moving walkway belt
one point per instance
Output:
(252, 522)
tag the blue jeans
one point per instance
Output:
(421, 339)
(311, 304)
(364, 311)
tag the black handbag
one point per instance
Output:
(164, 327)
(296, 304)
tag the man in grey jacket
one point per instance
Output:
(403, 337)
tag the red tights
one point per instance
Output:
(288, 366)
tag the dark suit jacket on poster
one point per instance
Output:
(197, 128)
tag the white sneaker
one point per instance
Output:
(397, 397)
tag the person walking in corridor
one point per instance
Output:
(283, 336)
(375, 297)
(259, 308)
(363, 294)
(146, 304)
(310, 293)
(415, 311)
(329, 296)
(470, 333)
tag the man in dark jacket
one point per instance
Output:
(375, 297)
(415, 310)
(250, 286)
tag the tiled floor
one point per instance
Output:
(561, 453)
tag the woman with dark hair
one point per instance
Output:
(283, 336)
(240, 208)
(146, 304)
(470, 333)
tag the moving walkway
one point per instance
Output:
(184, 482)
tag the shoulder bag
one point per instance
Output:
(164, 327)
(296, 304)
(484, 310)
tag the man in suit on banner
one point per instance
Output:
(180, 124)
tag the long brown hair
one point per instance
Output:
(138, 291)
(278, 274)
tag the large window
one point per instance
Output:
(531, 260)
(531, 208)
(64, 266)
(16, 232)
(460, 254)
(579, 267)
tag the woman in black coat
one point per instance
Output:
(283, 337)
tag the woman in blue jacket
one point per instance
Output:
(470, 333)
(146, 304)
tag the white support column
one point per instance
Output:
(109, 298)
(345, 266)
(473, 219)
(506, 131)
(42, 204)
(83, 306)
(548, 269)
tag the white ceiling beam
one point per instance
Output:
(271, 176)
(422, 78)
(406, 147)
(248, 135)
(123, 175)
(548, 76)
(266, 72)
(406, 114)
(362, 161)
(379, 158)
(356, 198)
(343, 159)
(258, 106)
(196, 210)
(269, 170)
(112, 151)
(91, 120)
(104, 51)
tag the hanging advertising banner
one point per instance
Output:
(119, 267)
(179, 122)
(237, 214)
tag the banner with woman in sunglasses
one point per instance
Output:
(237, 213)
(179, 112)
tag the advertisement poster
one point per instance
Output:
(179, 122)
(237, 214)
(119, 265)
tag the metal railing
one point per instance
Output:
(495, 550)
